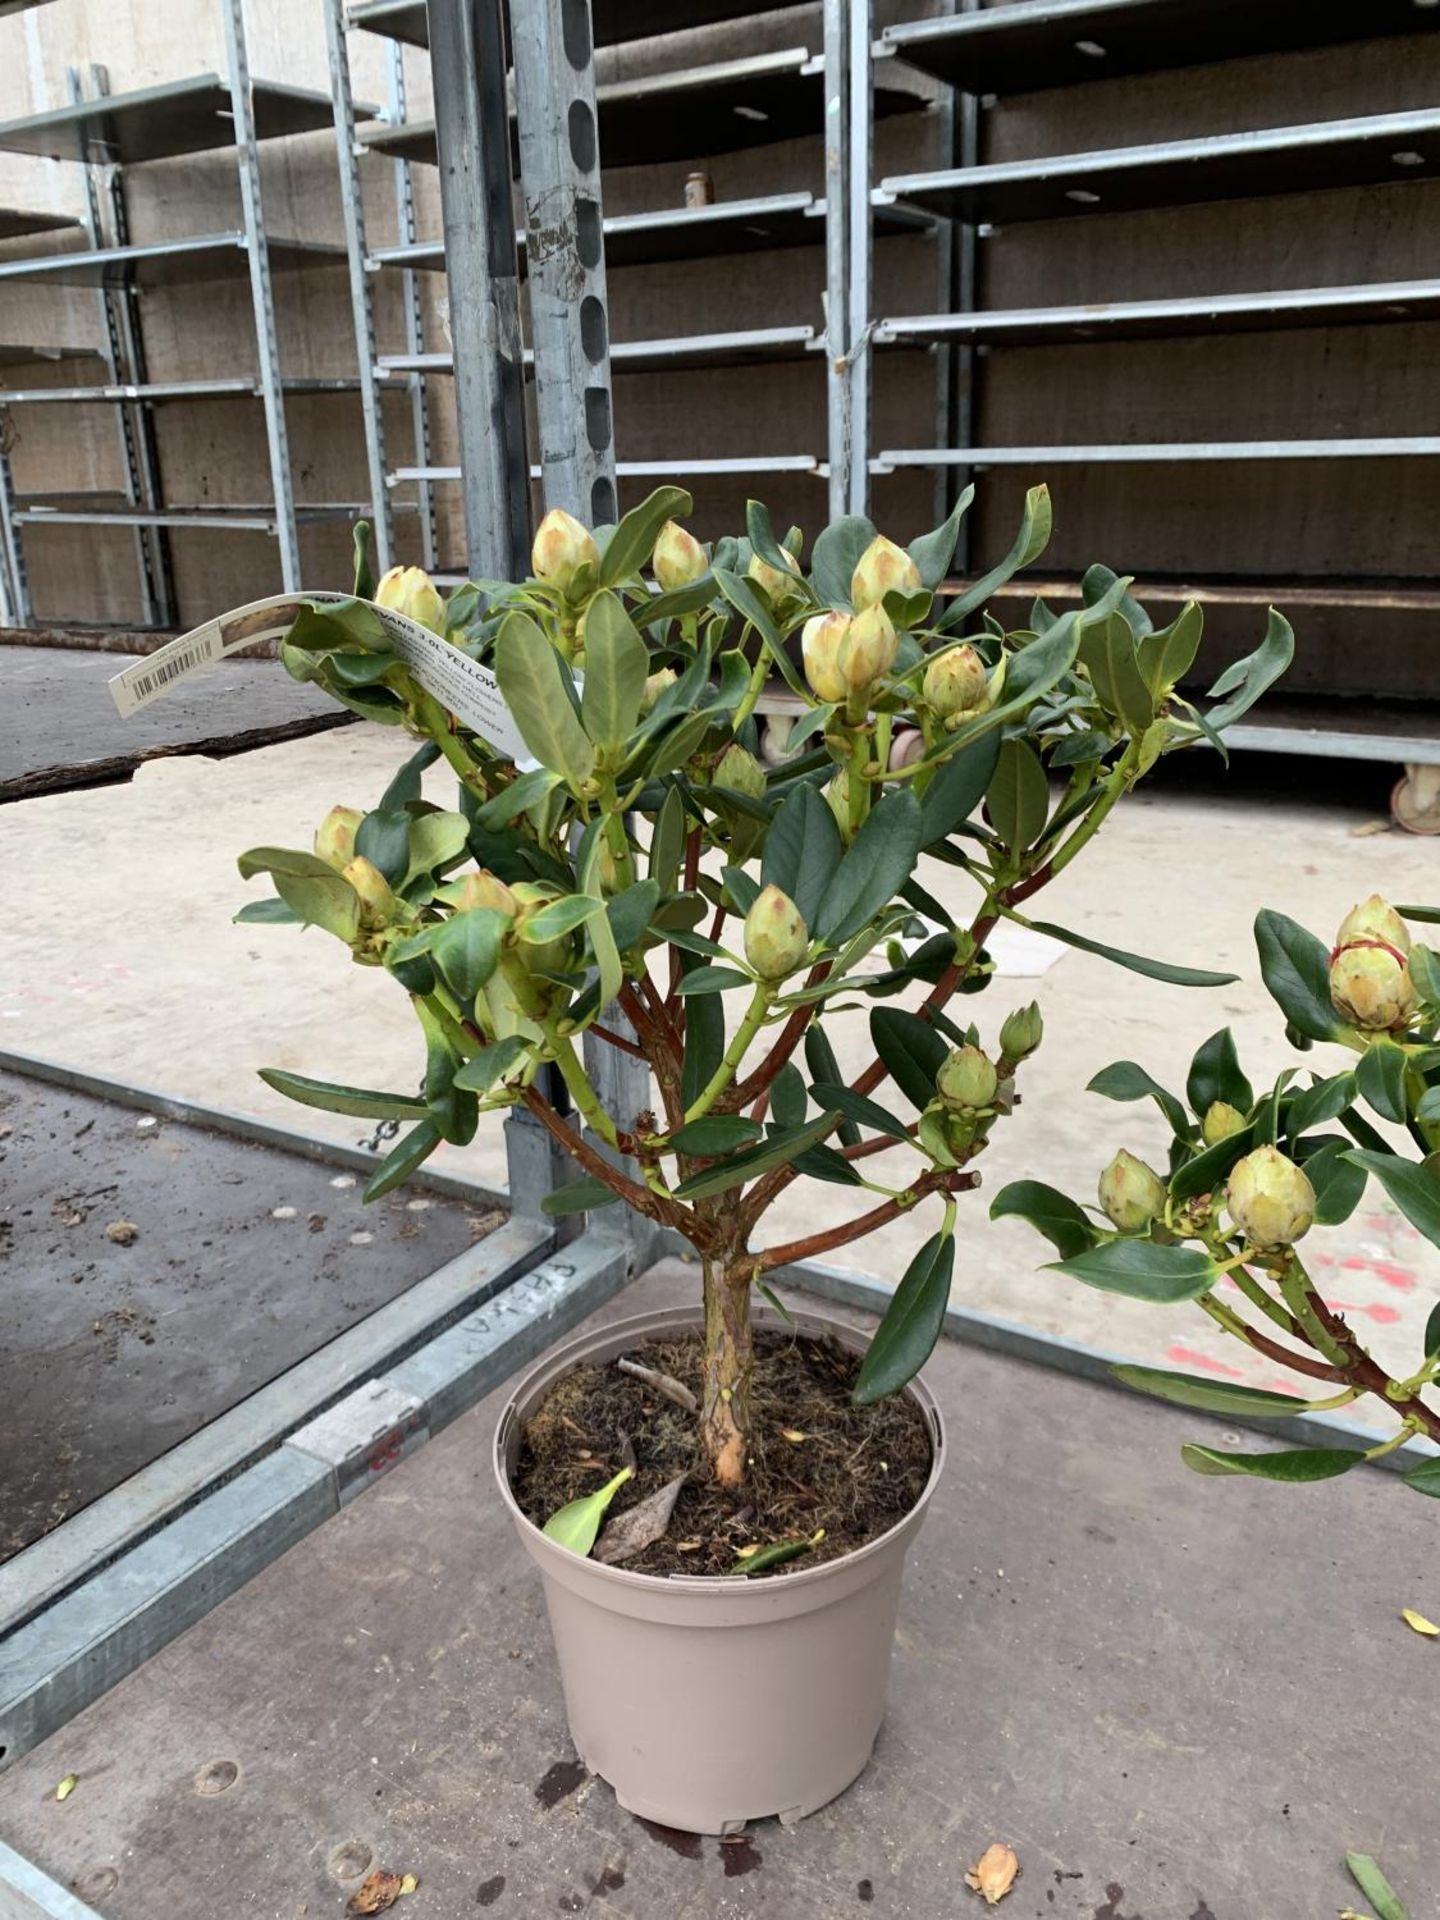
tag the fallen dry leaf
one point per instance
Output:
(1419, 1623)
(639, 1526)
(123, 1232)
(67, 1786)
(793, 1435)
(993, 1874)
(409, 1883)
(376, 1893)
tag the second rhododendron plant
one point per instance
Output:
(653, 877)
(1248, 1175)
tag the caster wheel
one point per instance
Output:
(1415, 800)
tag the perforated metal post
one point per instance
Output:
(959, 293)
(406, 234)
(262, 293)
(838, 216)
(860, 143)
(565, 254)
(362, 305)
(472, 127)
(12, 555)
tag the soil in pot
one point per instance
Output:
(817, 1461)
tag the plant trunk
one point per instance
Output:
(729, 1367)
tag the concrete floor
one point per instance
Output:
(117, 953)
(1176, 1698)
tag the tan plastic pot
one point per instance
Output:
(707, 1703)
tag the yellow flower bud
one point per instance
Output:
(1021, 1032)
(1370, 983)
(820, 642)
(411, 591)
(335, 837)
(775, 585)
(868, 650)
(956, 682)
(741, 772)
(1374, 919)
(776, 937)
(883, 568)
(967, 1080)
(562, 546)
(1220, 1122)
(1131, 1193)
(482, 889)
(655, 685)
(1269, 1199)
(377, 903)
(678, 558)
(837, 798)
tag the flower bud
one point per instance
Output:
(956, 682)
(482, 889)
(1269, 1199)
(655, 685)
(967, 1080)
(411, 591)
(1370, 983)
(678, 558)
(562, 546)
(741, 772)
(539, 956)
(772, 582)
(820, 642)
(868, 650)
(1021, 1032)
(377, 902)
(335, 836)
(1220, 1122)
(884, 568)
(776, 938)
(1131, 1193)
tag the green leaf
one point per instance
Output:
(1414, 1187)
(403, 1158)
(452, 1109)
(405, 787)
(1296, 1465)
(667, 847)
(713, 980)
(856, 1107)
(608, 964)
(824, 1163)
(466, 948)
(716, 1133)
(539, 692)
(1206, 1171)
(436, 839)
(1380, 1079)
(913, 1052)
(777, 1151)
(616, 664)
(761, 531)
(1338, 1183)
(752, 607)
(1064, 1224)
(789, 1102)
(1124, 1080)
(1432, 1331)
(575, 1526)
(820, 1058)
(314, 892)
(1424, 1479)
(629, 912)
(1211, 1396)
(704, 1039)
(957, 787)
(580, 1196)
(803, 851)
(1018, 797)
(933, 552)
(360, 1101)
(1143, 1270)
(906, 1336)
(630, 546)
(1215, 1075)
(1247, 679)
(1325, 1100)
(777, 1554)
(524, 792)
(836, 556)
(1029, 543)
(1136, 962)
(875, 866)
(1107, 652)
(1376, 1888)
(1165, 657)
(560, 917)
(383, 838)
(271, 913)
(491, 1064)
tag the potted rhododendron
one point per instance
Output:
(720, 1497)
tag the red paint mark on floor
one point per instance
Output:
(1382, 1315)
(1392, 1275)
(1282, 1383)
(1190, 1357)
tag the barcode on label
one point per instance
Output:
(145, 684)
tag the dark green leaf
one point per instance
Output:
(1337, 1181)
(1136, 962)
(361, 1101)
(1143, 1270)
(789, 1101)
(1432, 1331)
(803, 852)
(1107, 652)
(491, 1064)
(1413, 1187)
(716, 1133)
(752, 606)
(1380, 1079)
(466, 949)
(836, 556)
(629, 912)
(1211, 1396)
(452, 1108)
(524, 792)
(933, 552)
(1166, 657)
(1215, 1075)
(1018, 797)
(742, 889)
(1030, 542)
(820, 1058)
(616, 664)
(667, 848)
(704, 1041)
(1124, 1080)
(1247, 679)
(906, 1336)
(267, 913)
(856, 1107)
(912, 1051)
(630, 546)
(1065, 1225)
(581, 1196)
(1424, 1479)
(957, 787)
(1207, 1170)
(1376, 1888)
(1076, 748)
(824, 1163)
(777, 1151)
(1295, 1466)
(405, 787)
(403, 1158)
(541, 697)
(713, 980)
(1096, 584)
(761, 530)
(1325, 1100)
(880, 859)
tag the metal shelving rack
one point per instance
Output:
(1024, 46)
(105, 134)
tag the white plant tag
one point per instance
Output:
(461, 685)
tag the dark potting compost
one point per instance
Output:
(817, 1462)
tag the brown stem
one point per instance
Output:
(729, 1372)
(652, 1205)
(1272, 1349)
(1362, 1371)
(615, 1040)
(937, 1180)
